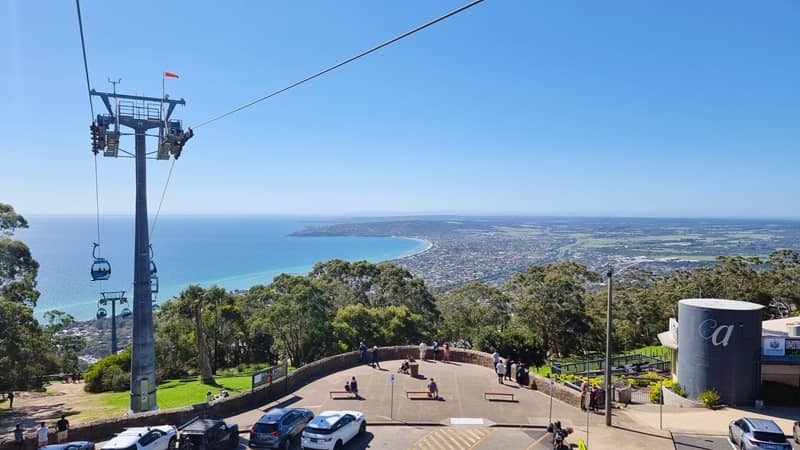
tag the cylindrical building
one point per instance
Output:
(720, 348)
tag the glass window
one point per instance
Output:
(764, 436)
(265, 427)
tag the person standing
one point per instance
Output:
(19, 438)
(62, 429)
(501, 371)
(362, 353)
(10, 399)
(41, 435)
(509, 370)
(354, 387)
(375, 361)
(584, 393)
(447, 351)
(435, 350)
(495, 358)
(433, 390)
(423, 348)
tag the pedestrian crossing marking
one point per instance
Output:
(448, 438)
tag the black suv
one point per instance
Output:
(208, 434)
(279, 426)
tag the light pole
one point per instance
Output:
(610, 275)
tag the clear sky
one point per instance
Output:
(668, 108)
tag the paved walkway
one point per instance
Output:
(706, 421)
(461, 387)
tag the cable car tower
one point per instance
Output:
(140, 114)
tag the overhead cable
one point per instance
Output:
(336, 66)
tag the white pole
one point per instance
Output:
(550, 420)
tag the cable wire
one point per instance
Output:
(161, 202)
(85, 64)
(349, 60)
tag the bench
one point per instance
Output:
(341, 394)
(509, 395)
(418, 394)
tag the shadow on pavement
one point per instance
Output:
(360, 442)
(289, 401)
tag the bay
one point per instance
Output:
(232, 252)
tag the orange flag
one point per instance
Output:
(171, 75)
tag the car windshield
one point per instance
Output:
(769, 437)
(262, 427)
(315, 430)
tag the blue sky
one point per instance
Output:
(591, 108)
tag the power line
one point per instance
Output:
(85, 64)
(349, 60)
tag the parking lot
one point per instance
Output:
(452, 438)
(705, 442)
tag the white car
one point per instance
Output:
(330, 430)
(163, 437)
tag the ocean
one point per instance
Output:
(232, 252)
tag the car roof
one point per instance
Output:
(764, 425)
(201, 425)
(275, 414)
(327, 419)
(66, 444)
(129, 436)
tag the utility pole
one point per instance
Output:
(140, 114)
(609, 393)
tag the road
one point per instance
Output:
(705, 442)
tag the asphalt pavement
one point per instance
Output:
(707, 442)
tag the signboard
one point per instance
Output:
(391, 378)
(773, 346)
(263, 377)
(792, 347)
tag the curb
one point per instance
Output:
(397, 423)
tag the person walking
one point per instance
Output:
(596, 398)
(509, 370)
(62, 429)
(423, 348)
(19, 438)
(447, 351)
(501, 371)
(42, 435)
(433, 390)
(354, 387)
(10, 399)
(362, 353)
(375, 361)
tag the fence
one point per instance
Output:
(594, 365)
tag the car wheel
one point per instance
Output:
(173, 444)
(363, 428)
(287, 444)
(338, 445)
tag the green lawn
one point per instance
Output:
(175, 393)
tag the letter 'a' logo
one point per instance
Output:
(717, 334)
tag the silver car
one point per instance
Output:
(757, 434)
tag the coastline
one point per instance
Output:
(428, 247)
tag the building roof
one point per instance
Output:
(718, 303)
(778, 327)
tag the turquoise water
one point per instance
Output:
(233, 252)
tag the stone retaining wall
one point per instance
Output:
(104, 429)
(561, 392)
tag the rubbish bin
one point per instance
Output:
(414, 368)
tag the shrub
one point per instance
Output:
(655, 393)
(709, 398)
(680, 390)
(109, 374)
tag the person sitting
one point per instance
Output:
(223, 393)
(433, 390)
(209, 396)
(405, 367)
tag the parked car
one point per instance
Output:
(76, 445)
(796, 432)
(279, 427)
(332, 429)
(162, 437)
(208, 434)
(757, 434)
